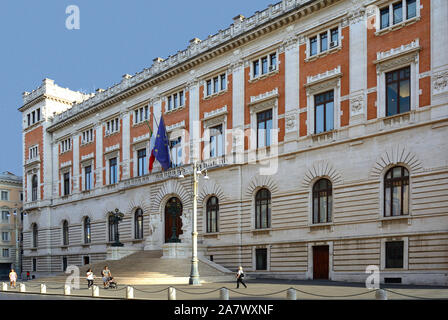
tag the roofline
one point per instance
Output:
(269, 26)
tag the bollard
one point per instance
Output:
(95, 291)
(224, 294)
(22, 287)
(171, 293)
(4, 286)
(129, 293)
(43, 288)
(67, 289)
(291, 294)
(380, 294)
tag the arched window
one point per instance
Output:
(65, 235)
(111, 225)
(138, 223)
(35, 235)
(34, 188)
(322, 201)
(87, 230)
(212, 211)
(263, 209)
(396, 192)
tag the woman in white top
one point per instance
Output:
(12, 278)
(90, 277)
(240, 277)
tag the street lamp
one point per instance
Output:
(194, 274)
(17, 264)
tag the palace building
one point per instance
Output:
(323, 128)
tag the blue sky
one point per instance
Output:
(115, 38)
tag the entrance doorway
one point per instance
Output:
(173, 221)
(321, 262)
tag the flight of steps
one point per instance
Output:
(147, 267)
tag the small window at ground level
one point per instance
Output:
(261, 258)
(394, 254)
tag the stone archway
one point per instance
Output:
(173, 220)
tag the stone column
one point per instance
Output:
(357, 23)
(292, 65)
(126, 136)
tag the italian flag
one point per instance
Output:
(152, 141)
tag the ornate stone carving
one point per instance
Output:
(356, 105)
(291, 122)
(440, 82)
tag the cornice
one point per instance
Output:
(240, 32)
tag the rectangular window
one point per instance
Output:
(264, 127)
(394, 254)
(261, 259)
(256, 70)
(215, 85)
(411, 10)
(170, 103)
(66, 183)
(264, 65)
(273, 62)
(33, 115)
(29, 119)
(181, 98)
(141, 165)
(323, 42)
(216, 142)
(38, 114)
(323, 112)
(176, 152)
(113, 171)
(334, 33)
(5, 253)
(88, 178)
(66, 145)
(313, 46)
(5, 236)
(398, 91)
(5, 216)
(398, 12)
(112, 126)
(141, 114)
(209, 87)
(223, 82)
(176, 100)
(384, 18)
(34, 266)
(5, 196)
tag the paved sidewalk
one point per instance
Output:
(257, 290)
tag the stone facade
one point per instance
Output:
(10, 222)
(354, 156)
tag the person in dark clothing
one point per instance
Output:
(240, 278)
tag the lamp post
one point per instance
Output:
(194, 274)
(17, 238)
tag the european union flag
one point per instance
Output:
(161, 146)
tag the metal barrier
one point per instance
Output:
(291, 293)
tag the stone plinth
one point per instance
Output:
(118, 253)
(180, 250)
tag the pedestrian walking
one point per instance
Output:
(28, 277)
(106, 276)
(90, 277)
(240, 278)
(12, 278)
